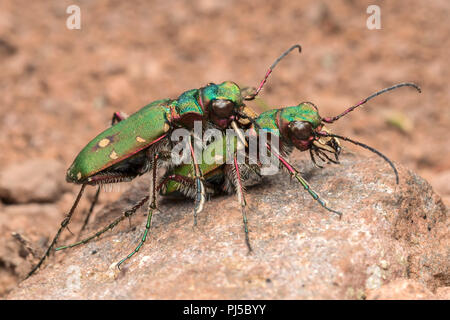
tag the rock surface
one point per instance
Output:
(407, 289)
(33, 222)
(300, 251)
(37, 180)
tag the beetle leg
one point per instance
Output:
(64, 224)
(118, 116)
(200, 197)
(241, 199)
(235, 176)
(127, 214)
(178, 178)
(151, 208)
(296, 174)
(91, 209)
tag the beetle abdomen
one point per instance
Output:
(121, 141)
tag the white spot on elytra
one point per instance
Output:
(103, 143)
(113, 155)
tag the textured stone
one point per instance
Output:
(37, 180)
(300, 251)
(407, 289)
(24, 219)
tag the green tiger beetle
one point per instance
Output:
(299, 127)
(135, 144)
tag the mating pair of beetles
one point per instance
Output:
(140, 143)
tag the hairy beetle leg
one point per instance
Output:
(127, 214)
(242, 202)
(91, 209)
(151, 208)
(118, 116)
(296, 174)
(64, 224)
(200, 197)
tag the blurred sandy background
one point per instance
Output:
(60, 87)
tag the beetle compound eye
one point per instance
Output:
(301, 130)
(222, 108)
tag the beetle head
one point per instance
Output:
(222, 102)
(299, 126)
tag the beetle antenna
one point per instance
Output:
(253, 95)
(405, 84)
(365, 146)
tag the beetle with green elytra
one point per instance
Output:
(135, 144)
(299, 127)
